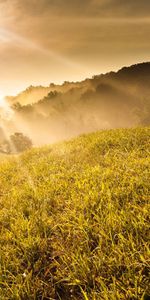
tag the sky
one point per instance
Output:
(44, 41)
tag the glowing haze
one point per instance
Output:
(55, 40)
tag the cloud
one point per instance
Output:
(71, 39)
(102, 8)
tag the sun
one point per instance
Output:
(6, 111)
(2, 100)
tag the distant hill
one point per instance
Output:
(112, 100)
(134, 76)
(35, 93)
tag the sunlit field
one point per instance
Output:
(74, 219)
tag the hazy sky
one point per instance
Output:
(43, 41)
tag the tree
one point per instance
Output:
(20, 142)
(17, 106)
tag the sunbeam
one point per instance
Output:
(6, 111)
(12, 148)
(7, 36)
(2, 100)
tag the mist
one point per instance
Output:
(60, 112)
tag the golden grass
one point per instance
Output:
(74, 219)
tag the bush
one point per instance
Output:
(20, 142)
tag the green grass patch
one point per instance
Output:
(74, 219)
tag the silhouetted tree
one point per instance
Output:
(20, 142)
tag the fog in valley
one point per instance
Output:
(59, 112)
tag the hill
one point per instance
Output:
(58, 112)
(134, 76)
(33, 94)
(74, 219)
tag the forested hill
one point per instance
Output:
(136, 75)
(112, 100)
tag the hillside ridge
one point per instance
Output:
(144, 66)
(114, 100)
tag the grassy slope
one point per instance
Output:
(74, 219)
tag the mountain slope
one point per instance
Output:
(135, 75)
(112, 100)
(74, 219)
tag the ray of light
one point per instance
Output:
(7, 36)
(2, 100)
(24, 170)
(5, 109)
(6, 135)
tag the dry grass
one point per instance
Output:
(74, 219)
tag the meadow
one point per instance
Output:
(75, 219)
